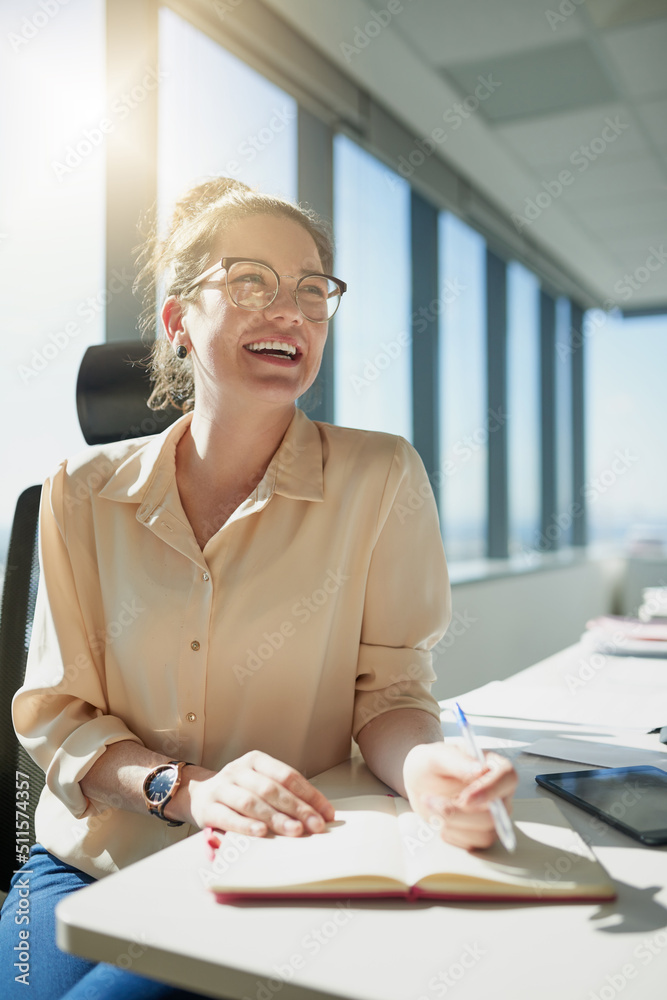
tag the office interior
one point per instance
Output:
(496, 173)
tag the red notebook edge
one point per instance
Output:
(412, 895)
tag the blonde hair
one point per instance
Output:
(171, 263)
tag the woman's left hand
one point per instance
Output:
(443, 782)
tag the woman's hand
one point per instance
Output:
(253, 795)
(445, 784)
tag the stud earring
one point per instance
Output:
(181, 351)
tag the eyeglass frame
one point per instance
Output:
(227, 262)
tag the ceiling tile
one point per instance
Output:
(640, 55)
(633, 250)
(629, 217)
(609, 13)
(556, 138)
(450, 31)
(536, 81)
(654, 116)
(610, 179)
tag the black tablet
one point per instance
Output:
(632, 799)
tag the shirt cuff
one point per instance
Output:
(389, 678)
(72, 761)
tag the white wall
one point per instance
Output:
(504, 624)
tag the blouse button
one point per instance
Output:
(205, 577)
(191, 717)
(194, 645)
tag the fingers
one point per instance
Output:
(258, 794)
(498, 782)
(468, 830)
(294, 782)
(461, 811)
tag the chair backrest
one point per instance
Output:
(16, 616)
(111, 394)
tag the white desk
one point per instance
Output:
(157, 918)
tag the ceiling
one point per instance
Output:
(570, 139)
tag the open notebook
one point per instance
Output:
(377, 847)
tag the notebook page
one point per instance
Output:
(550, 855)
(361, 841)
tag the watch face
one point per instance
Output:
(161, 785)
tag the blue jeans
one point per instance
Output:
(32, 958)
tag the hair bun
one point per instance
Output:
(208, 193)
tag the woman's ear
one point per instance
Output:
(173, 315)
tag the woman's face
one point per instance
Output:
(218, 334)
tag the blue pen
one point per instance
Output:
(501, 820)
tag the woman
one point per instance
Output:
(224, 606)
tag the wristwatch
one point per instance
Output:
(160, 786)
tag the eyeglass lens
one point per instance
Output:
(254, 286)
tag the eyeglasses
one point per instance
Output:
(253, 285)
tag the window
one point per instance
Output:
(626, 478)
(523, 408)
(52, 232)
(372, 352)
(563, 363)
(217, 116)
(464, 421)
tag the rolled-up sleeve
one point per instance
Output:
(407, 604)
(60, 713)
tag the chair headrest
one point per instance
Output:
(111, 393)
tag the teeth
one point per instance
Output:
(272, 345)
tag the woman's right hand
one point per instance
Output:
(253, 795)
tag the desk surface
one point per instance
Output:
(157, 918)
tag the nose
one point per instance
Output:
(285, 305)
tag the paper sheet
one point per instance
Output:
(596, 754)
(585, 689)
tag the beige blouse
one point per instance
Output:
(310, 612)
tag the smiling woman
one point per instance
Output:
(287, 602)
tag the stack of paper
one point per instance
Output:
(580, 687)
(614, 635)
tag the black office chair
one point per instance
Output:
(111, 393)
(18, 607)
